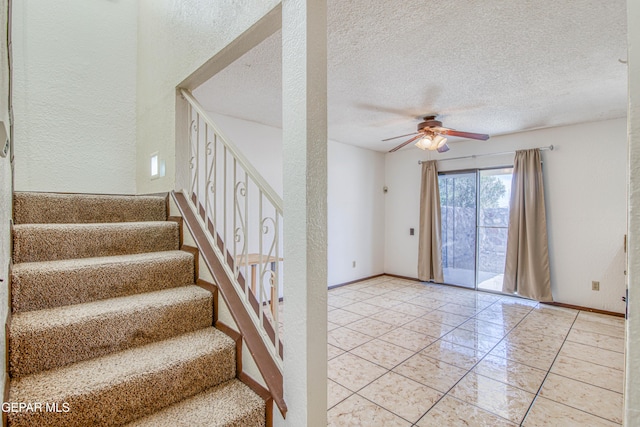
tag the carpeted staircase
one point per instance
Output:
(108, 327)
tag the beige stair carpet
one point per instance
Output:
(51, 208)
(107, 321)
(231, 404)
(48, 242)
(121, 387)
(55, 337)
(49, 284)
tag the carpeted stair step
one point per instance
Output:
(229, 404)
(43, 208)
(49, 284)
(125, 386)
(48, 242)
(51, 338)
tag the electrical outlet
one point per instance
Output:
(354, 264)
(595, 286)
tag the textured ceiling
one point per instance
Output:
(491, 66)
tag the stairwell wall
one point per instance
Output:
(174, 40)
(6, 187)
(75, 95)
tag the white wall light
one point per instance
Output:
(155, 169)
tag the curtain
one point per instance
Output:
(527, 262)
(430, 237)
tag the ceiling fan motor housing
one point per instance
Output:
(429, 122)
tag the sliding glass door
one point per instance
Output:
(475, 216)
(458, 208)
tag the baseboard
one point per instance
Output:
(590, 310)
(397, 276)
(356, 281)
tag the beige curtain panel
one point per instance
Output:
(430, 243)
(526, 270)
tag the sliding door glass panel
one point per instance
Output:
(493, 220)
(458, 207)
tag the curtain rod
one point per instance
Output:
(550, 148)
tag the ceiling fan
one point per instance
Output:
(430, 136)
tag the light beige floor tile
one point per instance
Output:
(343, 317)
(512, 373)
(556, 311)
(454, 412)
(402, 295)
(339, 301)
(402, 396)
(547, 413)
(340, 291)
(429, 327)
(352, 371)
(535, 340)
(602, 318)
(358, 412)
(590, 373)
(410, 309)
(333, 351)
(486, 328)
(446, 318)
(430, 372)
(406, 338)
(331, 326)
(461, 310)
(383, 301)
(596, 340)
(507, 320)
(346, 338)
(465, 338)
(362, 308)
(393, 317)
(371, 327)
(494, 396)
(336, 393)
(600, 356)
(428, 302)
(382, 353)
(599, 328)
(529, 356)
(454, 354)
(585, 397)
(358, 295)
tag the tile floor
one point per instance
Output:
(403, 353)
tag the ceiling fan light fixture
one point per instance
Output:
(424, 143)
(439, 141)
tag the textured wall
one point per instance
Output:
(5, 194)
(632, 392)
(174, 39)
(75, 94)
(585, 195)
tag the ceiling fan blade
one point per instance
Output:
(443, 149)
(469, 135)
(401, 136)
(405, 143)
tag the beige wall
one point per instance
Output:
(6, 182)
(174, 40)
(75, 94)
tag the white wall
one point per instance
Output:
(6, 199)
(174, 39)
(355, 197)
(75, 95)
(585, 195)
(632, 386)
